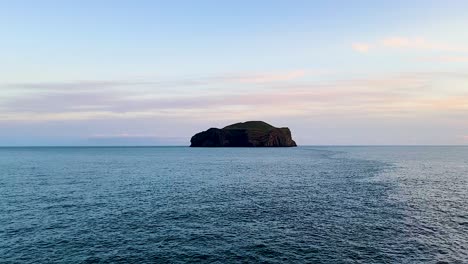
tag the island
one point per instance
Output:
(247, 134)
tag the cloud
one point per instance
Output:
(72, 85)
(361, 47)
(446, 59)
(409, 43)
(462, 139)
(272, 77)
(401, 95)
(111, 98)
(127, 139)
(161, 82)
(419, 43)
(404, 42)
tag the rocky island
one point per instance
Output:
(247, 134)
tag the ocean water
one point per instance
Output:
(239, 205)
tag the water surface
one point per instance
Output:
(178, 204)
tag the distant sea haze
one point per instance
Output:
(234, 205)
(144, 140)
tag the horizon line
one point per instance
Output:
(188, 146)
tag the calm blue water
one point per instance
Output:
(177, 204)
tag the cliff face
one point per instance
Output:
(248, 134)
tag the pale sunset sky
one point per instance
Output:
(156, 72)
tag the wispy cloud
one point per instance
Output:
(420, 43)
(405, 42)
(164, 82)
(462, 139)
(402, 95)
(272, 77)
(72, 85)
(134, 140)
(409, 43)
(445, 59)
(361, 47)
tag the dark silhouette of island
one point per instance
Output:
(247, 134)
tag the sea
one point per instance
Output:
(310, 204)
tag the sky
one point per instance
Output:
(157, 72)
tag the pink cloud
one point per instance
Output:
(383, 95)
(361, 47)
(404, 42)
(446, 59)
(410, 43)
(273, 77)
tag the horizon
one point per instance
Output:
(151, 73)
(188, 146)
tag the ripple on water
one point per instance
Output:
(178, 205)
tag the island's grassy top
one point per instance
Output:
(254, 125)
